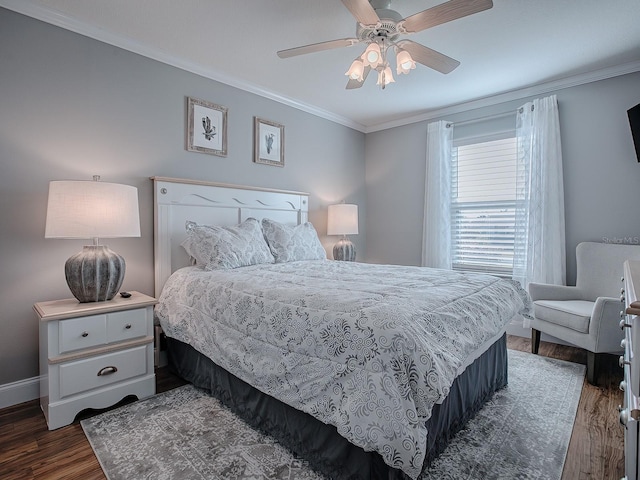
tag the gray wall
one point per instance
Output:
(601, 173)
(72, 107)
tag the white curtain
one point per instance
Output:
(539, 231)
(436, 238)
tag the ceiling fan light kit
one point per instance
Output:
(385, 77)
(375, 57)
(356, 70)
(380, 27)
(404, 62)
(372, 56)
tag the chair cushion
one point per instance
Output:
(573, 314)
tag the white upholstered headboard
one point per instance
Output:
(178, 200)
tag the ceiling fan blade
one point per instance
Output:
(363, 11)
(351, 84)
(428, 57)
(443, 13)
(317, 47)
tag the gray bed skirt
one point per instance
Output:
(319, 443)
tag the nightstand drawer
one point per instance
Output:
(94, 372)
(126, 325)
(83, 332)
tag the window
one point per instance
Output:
(483, 200)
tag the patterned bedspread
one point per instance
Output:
(367, 348)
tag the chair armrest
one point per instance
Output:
(547, 291)
(605, 321)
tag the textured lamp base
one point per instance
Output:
(344, 250)
(95, 274)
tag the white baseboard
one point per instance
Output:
(19, 392)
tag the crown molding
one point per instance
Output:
(56, 18)
(532, 90)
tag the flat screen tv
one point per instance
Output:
(634, 122)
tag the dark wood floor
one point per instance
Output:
(29, 451)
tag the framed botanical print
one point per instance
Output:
(207, 127)
(268, 142)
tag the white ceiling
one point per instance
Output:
(516, 45)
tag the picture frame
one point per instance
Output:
(268, 142)
(207, 127)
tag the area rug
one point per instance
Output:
(522, 433)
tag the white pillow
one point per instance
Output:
(292, 243)
(217, 248)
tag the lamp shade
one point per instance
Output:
(385, 77)
(404, 62)
(342, 219)
(81, 209)
(356, 70)
(372, 56)
(90, 209)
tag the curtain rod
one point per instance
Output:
(486, 117)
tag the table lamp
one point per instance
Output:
(343, 220)
(93, 209)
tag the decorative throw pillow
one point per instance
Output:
(293, 243)
(216, 248)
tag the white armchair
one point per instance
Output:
(588, 314)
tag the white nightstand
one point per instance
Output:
(92, 355)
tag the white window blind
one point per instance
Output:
(483, 197)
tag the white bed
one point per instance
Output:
(451, 363)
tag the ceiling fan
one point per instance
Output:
(381, 28)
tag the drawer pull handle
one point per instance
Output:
(623, 324)
(85, 334)
(127, 326)
(107, 371)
